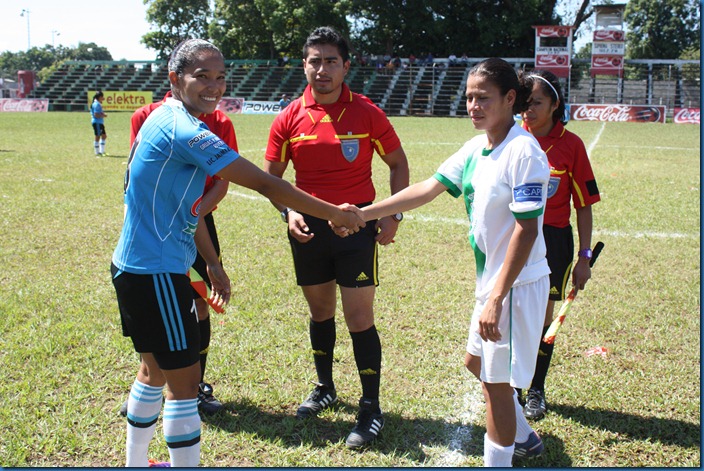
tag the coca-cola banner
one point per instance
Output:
(618, 113)
(686, 116)
(23, 104)
(552, 31)
(609, 35)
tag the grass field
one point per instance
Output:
(66, 367)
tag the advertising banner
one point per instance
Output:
(26, 104)
(618, 113)
(686, 116)
(607, 65)
(122, 100)
(552, 31)
(261, 107)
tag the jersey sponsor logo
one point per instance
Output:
(350, 149)
(530, 192)
(199, 138)
(553, 183)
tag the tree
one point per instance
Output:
(174, 22)
(661, 30)
(268, 29)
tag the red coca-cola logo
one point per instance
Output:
(608, 35)
(686, 115)
(11, 104)
(606, 61)
(551, 59)
(550, 32)
(618, 113)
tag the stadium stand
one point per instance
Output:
(424, 90)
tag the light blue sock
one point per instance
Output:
(182, 432)
(143, 408)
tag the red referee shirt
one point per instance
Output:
(571, 175)
(331, 146)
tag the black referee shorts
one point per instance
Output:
(352, 261)
(560, 253)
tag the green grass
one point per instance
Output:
(66, 367)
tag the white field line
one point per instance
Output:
(465, 222)
(459, 436)
(595, 140)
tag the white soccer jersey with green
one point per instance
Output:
(500, 186)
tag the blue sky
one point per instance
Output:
(117, 25)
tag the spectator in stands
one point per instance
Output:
(284, 101)
(97, 120)
(330, 134)
(452, 60)
(412, 60)
(215, 190)
(173, 153)
(464, 59)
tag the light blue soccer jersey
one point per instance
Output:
(500, 186)
(164, 184)
(96, 107)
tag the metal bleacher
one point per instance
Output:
(435, 89)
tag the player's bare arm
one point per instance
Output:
(248, 175)
(524, 234)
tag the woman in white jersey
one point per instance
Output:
(502, 176)
(164, 181)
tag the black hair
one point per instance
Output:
(327, 35)
(504, 76)
(97, 95)
(530, 78)
(184, 54)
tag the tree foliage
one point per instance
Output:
(269, 29)
(44, 59)
(661, 30)
(175, 21)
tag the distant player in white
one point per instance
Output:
(503, 176)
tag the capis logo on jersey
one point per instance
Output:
(530, 192)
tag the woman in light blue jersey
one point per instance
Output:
(97, 120)
(166, 172)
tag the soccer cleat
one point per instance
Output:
(207, 403)
(530, 448)
(123, 409)
(370, 421)
(159, 464)
(321, 398)
(535, 407)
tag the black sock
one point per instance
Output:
(367, 354)
(322, 340)
(543, 363)
(204, 327)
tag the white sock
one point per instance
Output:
(96, 146)
(523, 428)
(102, 146)
(495, 455)
(182, 432)
(143, 408)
